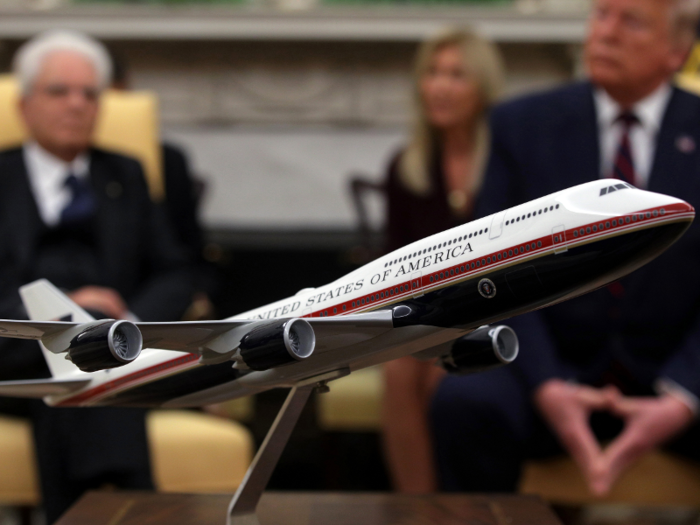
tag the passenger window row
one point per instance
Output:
(437, 247)
(381, 295)
(437, 276)
(618, 222)
(533, 214)
(505, 254)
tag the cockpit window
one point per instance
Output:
(615, 187)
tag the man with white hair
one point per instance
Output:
(82, 218)
(609, 376)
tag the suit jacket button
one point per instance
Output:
(114, 190)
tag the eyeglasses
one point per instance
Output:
(90, 94)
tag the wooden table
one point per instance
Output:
(310, 508)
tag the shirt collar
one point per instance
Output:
(48, 163)
(649, 110)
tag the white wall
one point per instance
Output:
(283, 178)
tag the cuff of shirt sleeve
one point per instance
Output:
(669, 387)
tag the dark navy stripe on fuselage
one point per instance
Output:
(525, 284)
(178, 385)
(537, 282)
(540, 281)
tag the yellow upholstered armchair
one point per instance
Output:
(190, 451)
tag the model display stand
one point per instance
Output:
(243, 506)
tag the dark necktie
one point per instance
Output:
(82, 204)
(623, 168)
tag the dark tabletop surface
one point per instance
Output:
(311, 508)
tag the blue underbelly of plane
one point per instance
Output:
(526, 285)
(541, 281)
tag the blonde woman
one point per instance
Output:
(431, 186)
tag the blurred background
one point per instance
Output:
(279, 103)
(279, 106)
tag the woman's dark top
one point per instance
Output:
(412, 217)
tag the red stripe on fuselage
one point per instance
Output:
(459, 272)
(494, 260)
(145, 375)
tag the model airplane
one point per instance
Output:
(422, 299)
(427, 299)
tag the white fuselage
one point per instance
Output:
(550, 225)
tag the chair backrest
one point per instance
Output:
(362, 188)
(127, 124)
(689, 82)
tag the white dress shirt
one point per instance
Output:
(47, 176)
(650, 112)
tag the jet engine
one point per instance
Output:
(107, 345)
(277, 343)
(484, 348)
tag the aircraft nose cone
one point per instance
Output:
(678, 208)
(609, 199)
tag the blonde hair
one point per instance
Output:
(481, 59)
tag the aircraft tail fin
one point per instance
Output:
(45, 302)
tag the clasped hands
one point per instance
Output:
(101, 299)
(648, 423)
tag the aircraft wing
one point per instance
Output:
(347, 330)
(185, 336)
(190, 336)
(331, 332)
(32, 329)
(182, 336)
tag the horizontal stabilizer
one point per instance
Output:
(41, 387)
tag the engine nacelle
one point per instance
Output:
(484, 348)
(107, 345)
(277, 343)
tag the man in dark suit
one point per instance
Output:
(622, 363)
(82, 218)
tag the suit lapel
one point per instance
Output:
(677, 149)
(19, 207)
(109, 225)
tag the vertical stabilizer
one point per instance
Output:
(45, 302)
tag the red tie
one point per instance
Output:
(623, 168)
